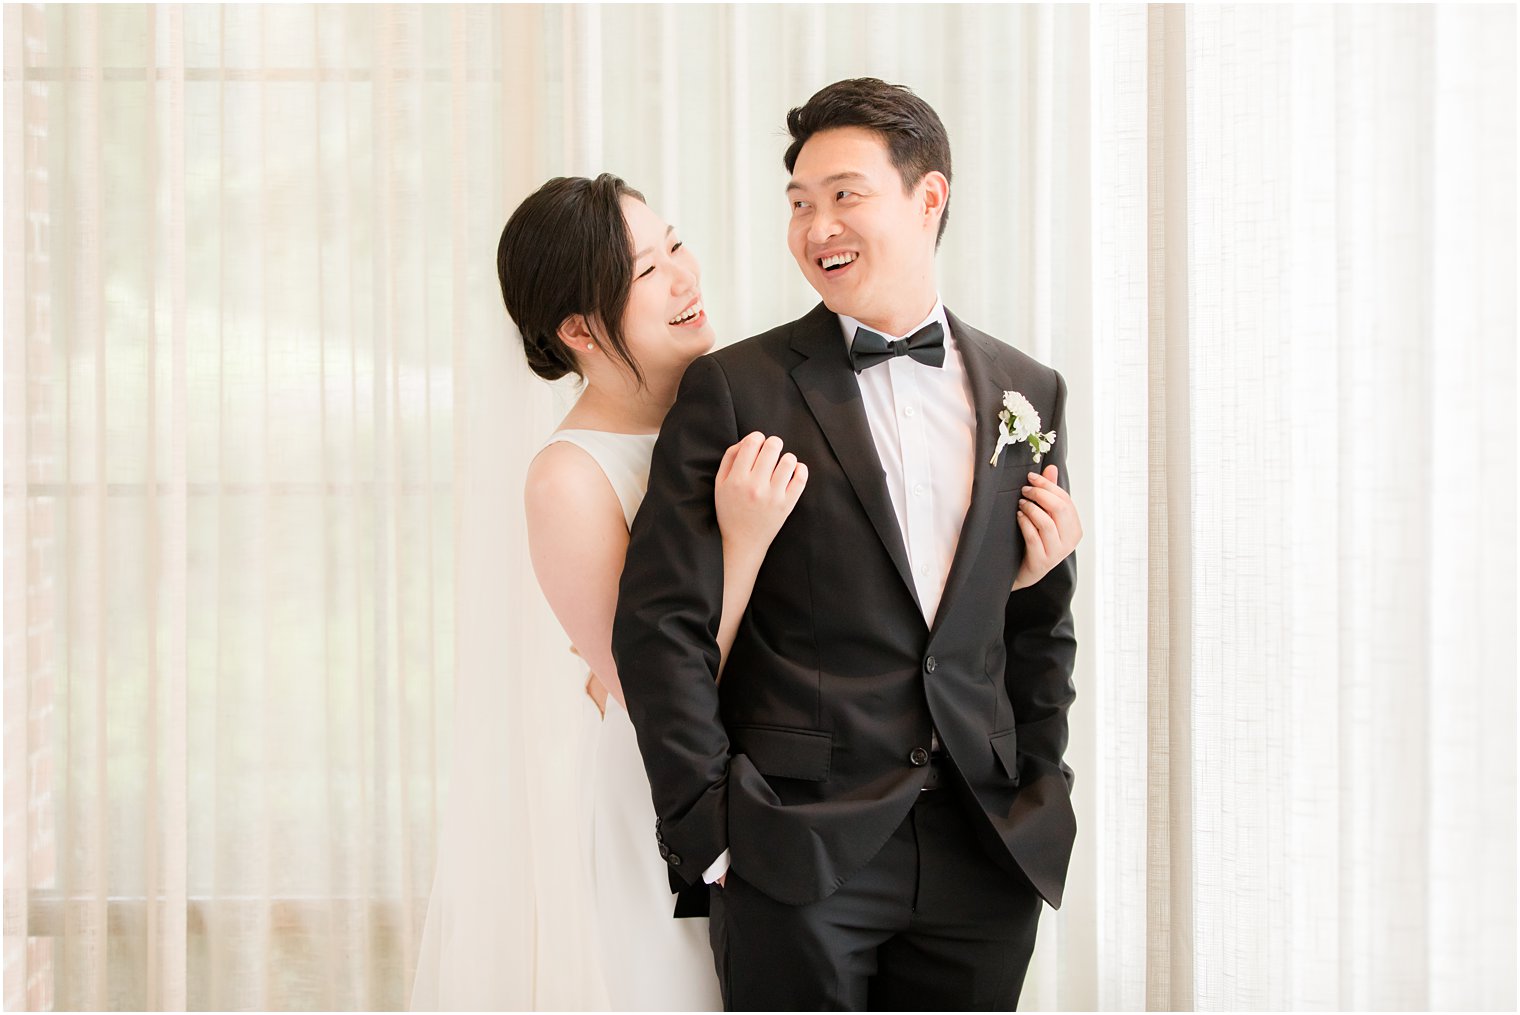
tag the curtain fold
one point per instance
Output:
(276, 666)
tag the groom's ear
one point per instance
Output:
(575, 332)
(934, 192)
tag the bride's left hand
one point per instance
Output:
(755, 490)
(1048, 519)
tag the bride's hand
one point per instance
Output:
(1048, 519)
(756, 488)
(597, 692)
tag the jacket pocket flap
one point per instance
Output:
(785, 753)
(1006, 746)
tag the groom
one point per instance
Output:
(877, 794)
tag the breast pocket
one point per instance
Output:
(1014, 466)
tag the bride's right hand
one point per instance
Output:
(757, 486)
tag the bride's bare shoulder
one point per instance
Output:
(565, 481)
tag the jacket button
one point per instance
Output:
(659, 836)
(929, 664)
(918, 757)
(665, 851)
(675, 859)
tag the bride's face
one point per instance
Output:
(664, 323)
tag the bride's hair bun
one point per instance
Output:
(566, 250)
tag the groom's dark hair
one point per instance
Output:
(915, 138)
(566, 250)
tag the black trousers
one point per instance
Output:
(932, 923)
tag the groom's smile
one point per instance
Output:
(837, 268)
(835, 263)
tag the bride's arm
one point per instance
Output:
(577, 539)
(756, 488)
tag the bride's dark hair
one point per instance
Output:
(567, 250)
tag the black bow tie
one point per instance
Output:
(927, 345)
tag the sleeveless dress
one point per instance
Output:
(650, 961)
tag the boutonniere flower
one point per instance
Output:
(1019, 423)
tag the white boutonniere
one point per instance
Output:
(1018, 422)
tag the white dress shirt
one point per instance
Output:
(924, 428)
(923, 424)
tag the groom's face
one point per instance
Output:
(862, 240)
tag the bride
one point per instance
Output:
(600, 287)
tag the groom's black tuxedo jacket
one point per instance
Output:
(809, 753)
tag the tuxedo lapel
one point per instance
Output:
(832, 394)
(987, 384)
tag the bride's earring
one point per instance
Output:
(590, 346)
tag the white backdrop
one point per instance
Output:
(266, 426)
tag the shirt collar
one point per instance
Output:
(848, 324)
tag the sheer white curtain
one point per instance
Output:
(265, 431)
(1305, 515)
(241, 274)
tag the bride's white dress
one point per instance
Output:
(649, 960)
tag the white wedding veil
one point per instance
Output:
(509, 922)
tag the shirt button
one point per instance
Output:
(908, 410)
(918, 489)
(929, 664)
(918, 757)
